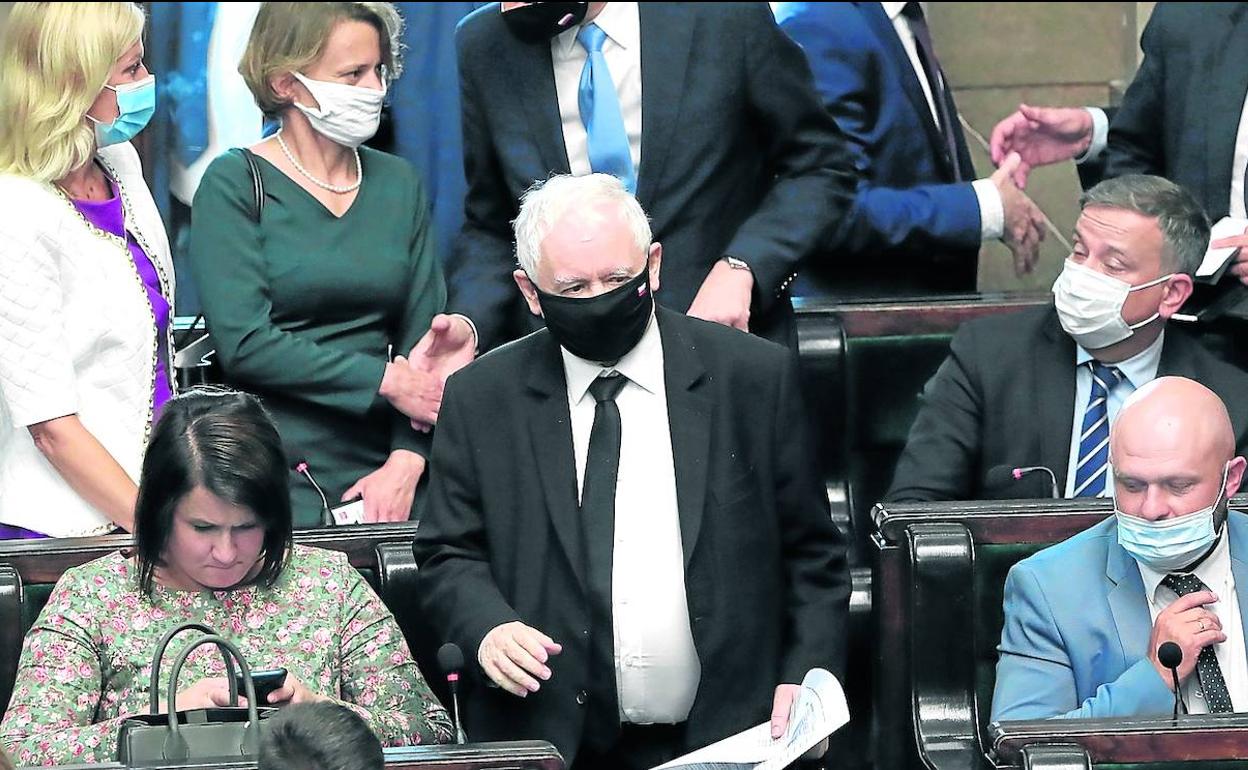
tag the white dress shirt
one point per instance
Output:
(1214, 572)
(622, 51)
(1100, 138)
(234, 120)
(1137, 371)
(656, 665)
(991, 209)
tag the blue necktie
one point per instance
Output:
(1090, 473)
(600, 112)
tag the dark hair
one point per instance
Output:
(319, 736)
(225, 442)
(1183, 224)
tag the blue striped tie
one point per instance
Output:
(1090, 473)
(600, 112)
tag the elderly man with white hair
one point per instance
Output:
(1085, 619)
(625, 526)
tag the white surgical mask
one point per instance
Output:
(1168, 545)
(349, 115)
(1089, 305)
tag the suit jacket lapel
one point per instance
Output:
(1128, 603)
(1227, 77)
(883, 28)
(1239, 568)
(532, 74)
(689, 416)
(1054, 363)
(666, 37)
(550, 434)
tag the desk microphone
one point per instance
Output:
(451, 661)
(301, 467)
(1009, 481)
(1170, 655)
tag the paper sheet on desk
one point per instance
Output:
(1216, 258)
(819, 710)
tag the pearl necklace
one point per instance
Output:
(337, 188)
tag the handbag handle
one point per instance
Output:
(175, 744)
(154, 708)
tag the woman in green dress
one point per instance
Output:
(315, 297)
(212, 546)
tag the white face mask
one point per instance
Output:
(1089, 305)
(349, 115)
(1168, 545)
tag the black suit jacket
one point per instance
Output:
(765, 569)
(1006, 396)
(1179, 117)
(737, 156)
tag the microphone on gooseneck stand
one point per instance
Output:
(301, 467)
(1012, 483)
(451, 661)
(1018, 474)
(1170, 655)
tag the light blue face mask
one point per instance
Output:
(1168, 545)
(136, 102)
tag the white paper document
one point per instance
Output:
(818, 711)
(1215, 258)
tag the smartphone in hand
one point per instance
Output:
(265, 682)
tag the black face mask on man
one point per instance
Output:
(536, 22)
(601, 328)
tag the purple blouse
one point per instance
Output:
(109, 217)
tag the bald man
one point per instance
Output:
(1084, 618)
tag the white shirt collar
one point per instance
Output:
(1140, 369)
(1214, 571)
(642, 365)
(619, 20)
(893, 10)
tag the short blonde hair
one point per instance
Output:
(545, 203)
(287, 37)
(55, 59)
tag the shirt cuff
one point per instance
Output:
(991, 210)
(476, 338)
(1100, 135)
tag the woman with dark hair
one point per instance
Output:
(213, 546)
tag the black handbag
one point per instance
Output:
(212, 733)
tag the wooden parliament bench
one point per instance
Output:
(938, 588)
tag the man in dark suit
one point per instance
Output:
(1184, 116)
(1041, 387)
(712, 115)
(625, 529)
(919, 216)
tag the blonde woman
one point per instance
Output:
(86, 281)
(306, 296)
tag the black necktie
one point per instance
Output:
(931, 70)
(602, 466)
(1217, 696)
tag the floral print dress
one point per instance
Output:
(86, 662)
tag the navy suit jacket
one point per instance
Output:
(1077, 625)
(737, 156)
(1179, 117)
(913, 227)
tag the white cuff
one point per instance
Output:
(1100, 135)
(991, 210)
(476, 338)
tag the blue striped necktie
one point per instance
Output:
(600, 112)
(1090, 473)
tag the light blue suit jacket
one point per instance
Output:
(1077, 627)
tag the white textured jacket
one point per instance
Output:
(77, 336)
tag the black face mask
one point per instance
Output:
(601, 328)
(536, 22)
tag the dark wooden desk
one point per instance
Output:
(1203, 738)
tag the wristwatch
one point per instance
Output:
(737, 264)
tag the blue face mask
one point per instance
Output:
(1168, 545)
(136, 102)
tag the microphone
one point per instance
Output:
(451, 661)
(301, 467)
(1009, 482)
(1170, 655)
